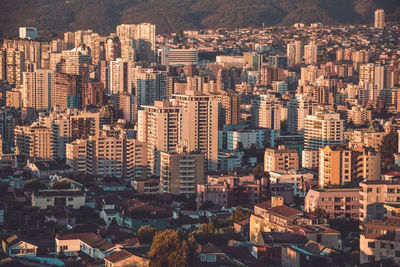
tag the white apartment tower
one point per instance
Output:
(322, 130)
(379, 19)
(311, 53)
(199, 125)
(158, 126)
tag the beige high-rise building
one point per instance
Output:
(359, 115)
(198, 130)
(144, 36)
(3, 68)
(128, 49)
(15, 66)
(281, 159)
(335, 166)
(269, 115)
(149, 86)
(181, 172)
(322, 130)
(77, 61)
(67, 91)
(311, 53)
(379, 21)
(374, 195)
(229, 108)
(366, 163)
(120, 77)
(158, 126)
(293, 52)
(309, 75)
(37, 87)
(34, 141)
(108, 156)
(298, 108)
(14, 98)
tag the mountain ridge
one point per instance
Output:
(56, 16)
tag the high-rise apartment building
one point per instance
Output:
(181, 172)
(34, 141)
(322, 130)
(293, 52)
(37, 89)
(158, 126)
(105, 155)
(374, 194)
(112, 48)
(229, 111)
(281, 159)
(3, 74)
(335, 166)
(269, 113)
(120, 79)
(15, 66)
(144, 36)
(149, 86)
(175, 56)
(379, 21)
(68, 91)
(298, 108)
(199, 125)
(311, 53)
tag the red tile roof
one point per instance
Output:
(118, 256)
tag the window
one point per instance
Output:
(371, 244)
(203, 257)
(64, 247)
(397, 254)
(17, 251)
(371, 258)
(383, 245)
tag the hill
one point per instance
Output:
(56, 16)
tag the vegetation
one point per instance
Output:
(388, 148)
(169, 248)
(146, 234)
(54, 16)
(239, 215)
(207, 233)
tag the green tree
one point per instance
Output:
(146, 234)
(169, 250)
(207, 233)
(239, 215)
(388, 148)
(320, 213)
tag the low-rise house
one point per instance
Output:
(337, 202)
(89, 243)
(380, 241)
(62, 216)
(300, 256)
(297, 178)
(274, 216)
(146, 186)
(211, 255)
(17, 247)
(232, 191)
(42, 169)
(134, 214)
(284, 190)
(58, 197)
(125, 258)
